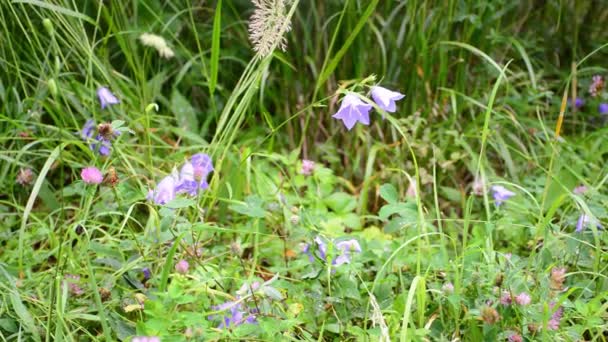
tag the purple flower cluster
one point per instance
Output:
(235, 314)
(354, 110)
(596, 88)
(556, 317)
(102, 142)
(345, 250)
(191, 179)
(521, 299)
(583, 221)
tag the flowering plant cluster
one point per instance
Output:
(102, 142)
(343, 254)
(191, 180)
(238, 311)
(597, 94)
(354, 110)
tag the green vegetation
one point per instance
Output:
(474, 212)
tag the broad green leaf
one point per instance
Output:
(184, 112)
(181, 202)
(341, 202)
(252, 207)
(389, 193)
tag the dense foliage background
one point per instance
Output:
(490, 88)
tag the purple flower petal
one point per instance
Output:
(501, 194)
(322, 245)
(165, 190)
(87, 130)
(353, 110)
(386, 98)
(346, 248)
(106, 97)
(187, 183)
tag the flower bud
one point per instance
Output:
(48, 26)
(52, 86)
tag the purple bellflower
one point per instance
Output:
(234, 315)
(501, 194)
(344, 250)
(191, 179)
(187, 183)
(603, 108)
(203, 166)
(306, 250)
(322, 245)
(583, 221)
(193, 175)
(146, 272)
(102, 142)
(106, 97)
(353, 110)
(87, 130)
(578, 102)
(165, 190)
(386, 98)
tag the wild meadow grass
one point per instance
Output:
(279, 170)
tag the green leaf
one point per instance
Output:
(451, 194)
(252, 207)
(179, 203)
(184, 112)
(341, 202)
(363, 19)
(215, 46)
(404, 209)
(25, 317)
(389, 193)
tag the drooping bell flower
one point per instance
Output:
(165, 190)
(103, 140)
(353, 110)
(203, 166)
(501, 194)
(346, 248)
(578, 102)
(187, 183)
(234, 315)
(386, 98)
(583, 221)
(603, 108)
(106, 97)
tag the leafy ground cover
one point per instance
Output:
(303, 170)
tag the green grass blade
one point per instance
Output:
(32, 199)
(347, 43)
(215, 47)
